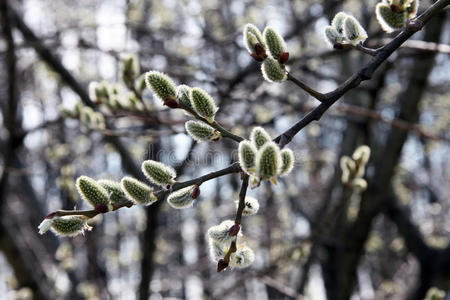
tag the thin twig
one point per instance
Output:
(319, 96)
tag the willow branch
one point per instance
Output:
(363, 74)
(215, 124)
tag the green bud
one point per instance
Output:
(268, 161)
(242, 258)
(332, 36)
(161, 85)
(287, 161)
(139, 84)
(338, 22)
(216, 250)
(201, 132)
(361, 154)
(388, 20)
(129, 69)
(87, 116)
(353, 31)
(137, 191)
(252, 36)
(247, 156)
(98, 121)
(158, 173)
(182, 198)
(251, 206)
(114, 189)
(203, 104)
(92, 192)
(220, 233)
(435, 294)
(274, 41)
(272, 70)
(259, 137)
(66, 226)
(359, 184)
(183, 95)
(411, 10)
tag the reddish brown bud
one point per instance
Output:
(395, 9)
(338, 46)
(221, 265)
(51, 215)
(196, 192)
(234, 230)
(172, 103)
(284, 56)
(102, 208)
(256, 57)
(259, 50)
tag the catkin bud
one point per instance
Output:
(216, 250)
(273, 71)
(137, 191)
(92, 192)
(242, 258)
(332, 36)
(98, 91)
(268, 161)
(203, 104)
(98, 121)
(183, 95)
(361, 154)
(275, 43)
(182, 198)
(139, 84)
(259, 137)
(201, 132)
(287, 161)
(66, 226)
(389, 20)
(220, 233)
(114, 189)
(254, 42)
(347, 164)
(161, 85)
(251, 206)
(359, 184)
(129, 69)
(412, 9)
(338, 22)
(158, 173)
(247, 156)
(353, 31)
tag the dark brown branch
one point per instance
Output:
(363, 74)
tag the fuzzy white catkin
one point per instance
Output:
(259, 137)
(220, 233)
(158, 173)
(161, 85)
(203, 104)
(353, 31)
(200, 131)
(182, 198)
(251, 206)
(287, 161)
(242, 258)
(268, 161)
(272, 70)
(137, 191)
(247, 156)
(251, 32)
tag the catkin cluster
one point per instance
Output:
(268, 48)
(353, 168)
(344, 29)
(393, 14)
(262, 159)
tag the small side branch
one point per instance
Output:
(319, 96)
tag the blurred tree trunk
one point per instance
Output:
(347, 255)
